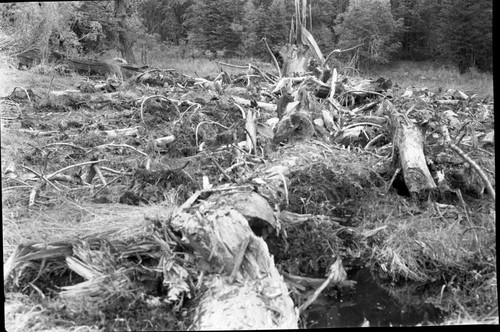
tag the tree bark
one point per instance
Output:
(296, 122)
(408, 143)
(219, 232)
(123, 11)
(296, 59)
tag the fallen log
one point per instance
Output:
(94, 67)
(408, 143)
(222, 230)
(216, 229)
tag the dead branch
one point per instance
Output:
(484, 177)
(165, 140)
(230, 65)
(337, 274)
(42, 177)
(109, 170)
(373, 141)
(38, 133)
(121, 146)
(203, 122)
(241, 109)
(65, 178)
(334, 79)
(25, 91)
(339, 51)
(360, 92)
(99, 173)
(268, 77)
(123, 132)
(246, 102)
(274, 58)
(73, 166)
(146, 99)
(365, 107)
(107, 185)
(65, 144)
(251, 130)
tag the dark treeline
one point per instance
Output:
(455, 32)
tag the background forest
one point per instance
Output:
(453, 33)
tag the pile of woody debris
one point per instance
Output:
(286, 159)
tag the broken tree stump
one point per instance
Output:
(297, 59)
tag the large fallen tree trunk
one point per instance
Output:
(219, 232)
(244, 288)
(408, 143)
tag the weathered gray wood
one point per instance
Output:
(296, 122)
(215, 229)
(296, 59)
(95, 67)
(408, 143)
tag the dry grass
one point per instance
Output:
(40, 75)
(24, 314)
(194, 63)
(209, 68)
(120, 252)
(440, 246)
(421, 247)
(435, 76)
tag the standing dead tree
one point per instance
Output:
(302, 53)
(122, 12)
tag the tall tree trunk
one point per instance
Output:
(123, 11)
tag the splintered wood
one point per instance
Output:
(215, 229)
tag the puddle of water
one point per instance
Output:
(368, 302)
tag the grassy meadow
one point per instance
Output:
(430, 74)
(434, 76)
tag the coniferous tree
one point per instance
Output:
(277, 26)
(165, 18)
(251, 32)
(420, 18)
(466, 33)
(212, 25)
(370, 23)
